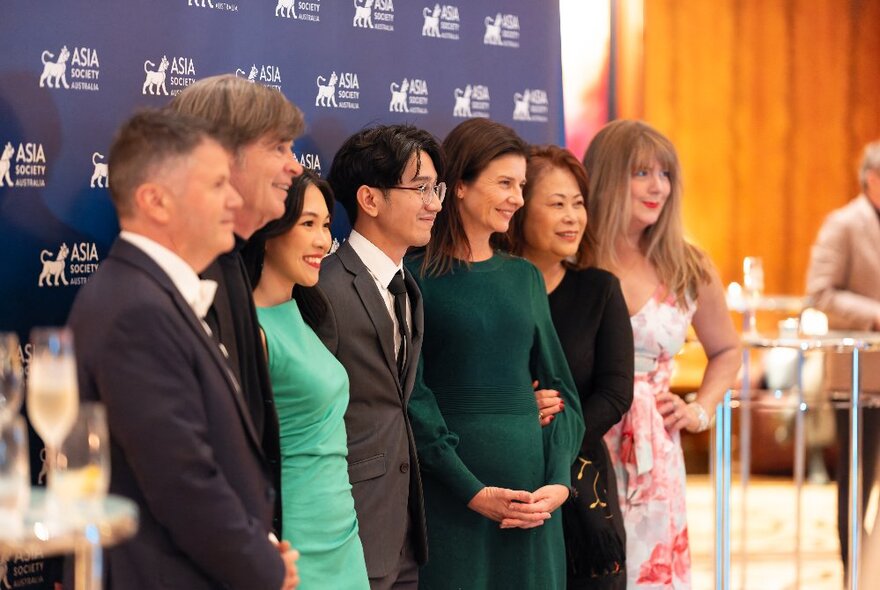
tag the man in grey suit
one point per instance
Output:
(386, 177)
(843, 280)
(183, 445)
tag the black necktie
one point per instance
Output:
(398, 289)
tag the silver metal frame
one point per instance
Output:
(722, 455)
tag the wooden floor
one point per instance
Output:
(771, 562)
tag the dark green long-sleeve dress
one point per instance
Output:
(488, 335)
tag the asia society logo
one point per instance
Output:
(344, 86)
(502, 30)
(410, 96)
(84, 69)
(83, 261)
(368, 11)
(441, 22)
(23, 165)
(267, 75)
(530, 105)
(308, 11)
(100, 173)
(215, 5)
(471, 101)
(309, 160)
(159, 78)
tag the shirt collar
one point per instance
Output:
(376, 261)
(199, 294)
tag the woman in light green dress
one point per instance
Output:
(311, 391)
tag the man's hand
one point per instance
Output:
(508, 507)
(289, 556)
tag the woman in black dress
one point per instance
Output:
(591, 318)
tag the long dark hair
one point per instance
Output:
(311, 301)
(470, 147)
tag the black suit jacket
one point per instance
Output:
(382, 460)
(233, 319)
(183, 445)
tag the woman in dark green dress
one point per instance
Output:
(493, 478)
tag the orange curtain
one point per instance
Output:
(769, 103)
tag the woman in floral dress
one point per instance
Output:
(635, 231)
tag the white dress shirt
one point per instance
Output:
(198, 293)
(382, 269)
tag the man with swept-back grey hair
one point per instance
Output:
(259, 125)
(843, 280)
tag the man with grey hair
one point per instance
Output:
(259, 124)
(843, 280)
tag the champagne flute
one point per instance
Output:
(15, 478)
(753, 289)
(753, 277)
(10, 377)
(52, 391)
(82, 465)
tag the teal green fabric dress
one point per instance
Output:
(488, 335)
(311, 395)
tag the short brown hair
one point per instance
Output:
(144, 145)
(542, 159)
(242, 111)
(470, 147)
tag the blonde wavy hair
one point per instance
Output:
(618, 150)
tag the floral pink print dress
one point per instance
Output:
(647, 458)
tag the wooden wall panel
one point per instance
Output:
(769, 103)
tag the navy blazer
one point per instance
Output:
(183, 446)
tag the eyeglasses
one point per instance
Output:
(427, 192)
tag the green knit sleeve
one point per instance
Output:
(563, 436)
(437, 444)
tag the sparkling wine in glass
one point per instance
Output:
(82, 465)
(52, 391)
(10, 377)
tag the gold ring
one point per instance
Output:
(540, 415)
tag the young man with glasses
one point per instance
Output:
(386, 178)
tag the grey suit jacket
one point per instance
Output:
(843, 278)
(382, 461)
(183, 446)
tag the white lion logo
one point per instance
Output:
(202, 5)
(398, 97)
(462, 102)
(55, 71)
(431, 28)
(363, 15)
(6, 164)
(53, 268)
(286, 8)
(252, 76)
(326, 92)
(100, 173)
(155, 80)
(493, 30)
(521, 106)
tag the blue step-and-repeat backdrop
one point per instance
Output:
(71, 71)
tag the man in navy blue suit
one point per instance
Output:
(183, 443)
